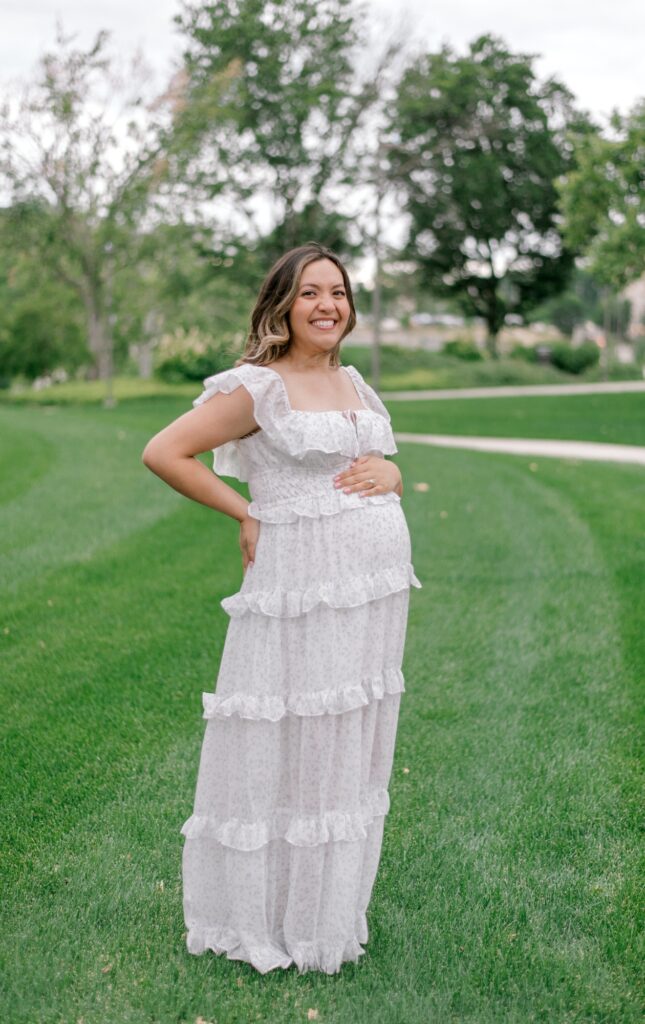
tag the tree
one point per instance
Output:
(477, 143)
(603, 199)
(41, 320)
(77, 157)
(179, 285)
(581, 301)
(268, 101)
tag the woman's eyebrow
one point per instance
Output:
(340, 285)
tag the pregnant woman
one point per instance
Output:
(283, 845)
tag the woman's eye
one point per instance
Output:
(305, 294)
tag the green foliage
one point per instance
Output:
(639, 351)
(191, 356)
(74, 203)
(561, 355)
(574, 360)
(477, 144)
(403, 369)
(41, 321)
(603, 198)
(564, 311)
(179, 284)
(192, 366)
(268, 103)
(38, 341)
(462, 349)
(583, 300)
(617, 313)
(525, 352)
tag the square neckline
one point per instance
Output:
(319, 412)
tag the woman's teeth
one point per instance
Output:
(324, 325)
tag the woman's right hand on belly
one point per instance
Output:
(249, 533)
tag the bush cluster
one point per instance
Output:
(462, 349)
(561, 355)
(574, 360)
(192, 356)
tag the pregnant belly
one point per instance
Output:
(353, 542)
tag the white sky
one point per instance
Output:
(597, 49)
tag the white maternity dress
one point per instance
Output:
(282, 849)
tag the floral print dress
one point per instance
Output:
(282, 848)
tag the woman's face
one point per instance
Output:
(321, 310)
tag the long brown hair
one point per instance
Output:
(270, 336)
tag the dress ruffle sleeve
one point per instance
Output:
(227, 458)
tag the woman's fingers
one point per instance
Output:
(249, 532)
(356, 477)
(361, 484)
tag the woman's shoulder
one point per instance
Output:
(243, 374)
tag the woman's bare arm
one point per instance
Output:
(170, 454)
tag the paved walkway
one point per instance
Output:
(625, 453)
(519, 390)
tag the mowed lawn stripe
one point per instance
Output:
(86, 489)
(531, 693)
(508, 884)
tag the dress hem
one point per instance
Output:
(305, 956)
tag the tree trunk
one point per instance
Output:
(491, 343)
(494, 319)
(101, 345)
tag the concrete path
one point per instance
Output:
(625, 453)
(519, 390)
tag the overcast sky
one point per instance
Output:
(596, 49)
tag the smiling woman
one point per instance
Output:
(283, 845)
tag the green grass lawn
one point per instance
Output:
(609, 418)
(509, 884)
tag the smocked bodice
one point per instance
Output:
(289, 462)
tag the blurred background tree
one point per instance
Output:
(603, 199)
(73, 152)
(481, 142)
(138, 224)
(42, 321)
(269, 101)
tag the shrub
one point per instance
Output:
(574, 360)
(461, 349)
(191, 356)
(525, 352)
